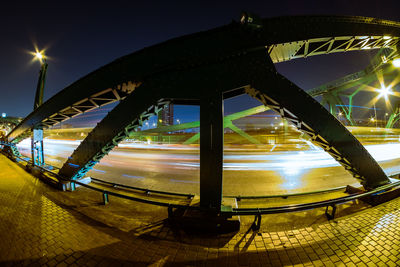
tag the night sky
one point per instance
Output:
(81, 37)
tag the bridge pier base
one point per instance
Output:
(204, 220)
(377, 198)
(211, 151)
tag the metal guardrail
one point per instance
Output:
(238, 198)
(147, 191)
(146, 201)
(307, 206)
(318, 204)
(106, 193)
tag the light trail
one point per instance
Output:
(309, 159)
(176, 168)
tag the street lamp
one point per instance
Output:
(42, 78)
(385, 92)
(37, 138)
(396, 62)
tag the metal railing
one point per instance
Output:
(141, 200)
(238, 198)
(145, 190)
(307, 206)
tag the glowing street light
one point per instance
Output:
(385, 92)
(39, 55)
(372, 119)
(396, 62)
(3, 115)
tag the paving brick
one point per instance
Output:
(35, 230)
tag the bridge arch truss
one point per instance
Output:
(217, 64)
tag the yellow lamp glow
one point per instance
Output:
(39, 55)
(385, 92)
(396, 62)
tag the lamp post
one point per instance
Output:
(37, 138)
(42, 78)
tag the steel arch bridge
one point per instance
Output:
(204, 69)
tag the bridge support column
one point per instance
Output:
(37, 148)
(211, 150)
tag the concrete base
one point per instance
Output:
(378, 198)
(202, 221)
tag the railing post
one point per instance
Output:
(105, 198)
(72, 186)
(211, 150)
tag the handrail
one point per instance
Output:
(287, 195)
(306, 206)
(144, 189)
(106, 192)
(146, 201)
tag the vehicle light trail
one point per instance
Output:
(176, 167)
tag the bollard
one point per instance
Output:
(105, 198)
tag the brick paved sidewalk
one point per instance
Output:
(34, 230)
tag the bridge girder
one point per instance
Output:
(254, 74)
(279, 35)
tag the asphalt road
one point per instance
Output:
(259, 172)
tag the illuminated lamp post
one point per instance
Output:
(37, 138)
(42, 78)
(396, 62)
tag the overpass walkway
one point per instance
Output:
(42, 226)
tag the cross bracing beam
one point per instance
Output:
(228, 123)
(377, 64)
(322, 46)
(223, 42)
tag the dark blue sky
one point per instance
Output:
(80, 37)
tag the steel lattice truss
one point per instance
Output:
(228, 51)
(97, 100)
(321, 46)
